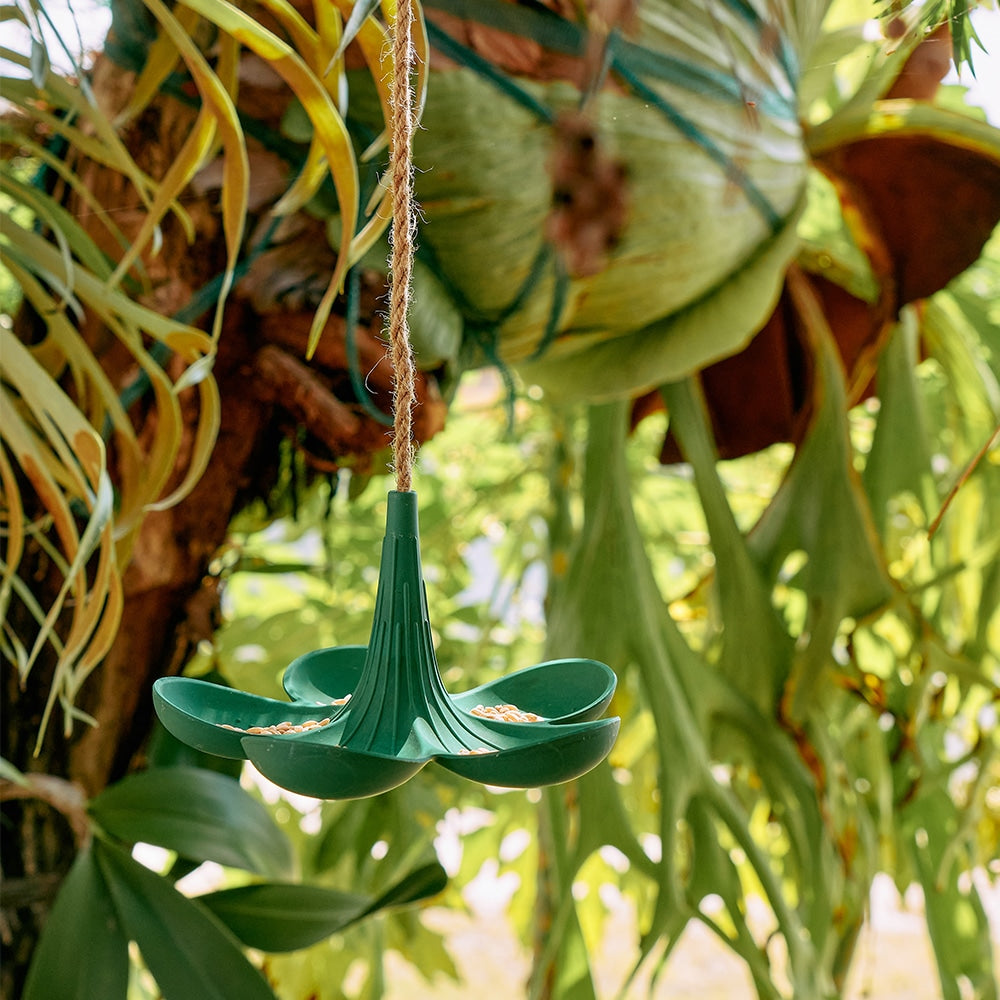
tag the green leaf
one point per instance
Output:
(83, 951)
(435, 323)
(200, 814)
(188, 952)
(428, 880)
(829, 248)
(360, 13)
(956, 920)
(283, 917)
(900, 456)
(821, 510)
(719, 323)
(756, 651)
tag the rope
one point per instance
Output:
(402, 240)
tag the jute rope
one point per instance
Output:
(402, 241)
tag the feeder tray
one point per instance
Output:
(398, 715)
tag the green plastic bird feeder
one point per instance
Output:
(388, 710)
(365, 719)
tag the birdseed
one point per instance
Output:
(280, 728)
(505, 713)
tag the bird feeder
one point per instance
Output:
(364, 719)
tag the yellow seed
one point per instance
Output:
(256, 730)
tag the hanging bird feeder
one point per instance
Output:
(363, 719)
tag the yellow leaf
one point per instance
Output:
(330, 131)
(218, 111)
(161, 58)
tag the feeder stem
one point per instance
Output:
(402, 239)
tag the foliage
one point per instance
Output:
(808, 655)
(191, 945)
(846, 792)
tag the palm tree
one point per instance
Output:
(706, 206)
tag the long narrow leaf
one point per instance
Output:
(279, 917)
(329, 127)
(188, 952)
(218, 112)
(283, 917)
(83, 951)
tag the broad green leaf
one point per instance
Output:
(716, 325)
(282, 917)
(83, 951)
(202, 815)
(285, 917)
(756, 649)
(821, 510)
(185, 948)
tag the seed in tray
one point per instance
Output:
(505, 713)
(280, 729)
(475, 752)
